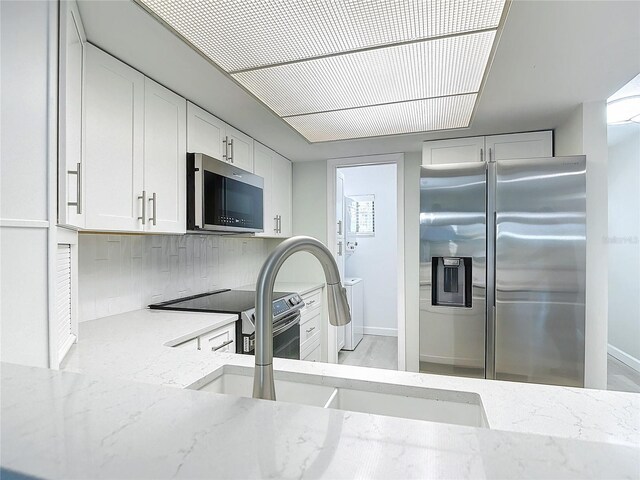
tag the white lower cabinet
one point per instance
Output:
(277, 173)
(311, 326)
(222, 339)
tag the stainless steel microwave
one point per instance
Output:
(222, 198)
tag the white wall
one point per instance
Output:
(27, 164)
(624, 243)
(375, 258)
(121, 273)
(585, 133)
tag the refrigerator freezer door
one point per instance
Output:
(453, 225)
(540, 270)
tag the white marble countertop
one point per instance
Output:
(63, 425)
(535, 430)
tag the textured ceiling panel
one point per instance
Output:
(407, 117)
(431, 68)
(243, 34)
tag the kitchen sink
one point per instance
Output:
(417, 403)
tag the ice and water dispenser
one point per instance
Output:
(451, 280)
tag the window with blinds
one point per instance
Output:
(63, 300)
(363, 215)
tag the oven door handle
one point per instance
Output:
(286, 323)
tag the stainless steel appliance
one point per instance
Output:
(222, 198)
(502, 269)
(286, 317)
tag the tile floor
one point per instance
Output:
(621, 377)
(373, 351)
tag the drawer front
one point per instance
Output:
(309, 331)
(308, 314)
(219, 340)
(312, 299)
(313, 355)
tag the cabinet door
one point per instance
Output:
(457, 150)
(221, 340)
(165, 151)
(281, 193)
(72, 38)
(239, 149)
(520, 145)
(262, 167)
(114, 137)
(205, 132)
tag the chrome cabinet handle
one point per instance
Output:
(154, 210)
(78, 173)
(339, 249)
(309, 330)
(482, 154)
(279, 223)
(311, 302)
(490, 152)
(230, 143)
(275, 224)
(339, 227)
(143, 197)
(225, 146)
(222, 345)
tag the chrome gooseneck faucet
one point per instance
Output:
(339, 314)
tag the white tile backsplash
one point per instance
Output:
(121, 273)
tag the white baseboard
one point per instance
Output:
(624, 357)
(384, 332)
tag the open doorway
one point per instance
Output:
(366, 241)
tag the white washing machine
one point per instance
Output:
(354, 330)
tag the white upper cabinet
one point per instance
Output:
(211, 136)
(486, 149)
(71, 55)
(239, 149)
(135, 150)
(165, 150)
(457, 150)
(281, 194)
(205, 133)
(277, 174)
(113, 143)
(520, 145)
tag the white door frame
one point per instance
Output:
(392, 158)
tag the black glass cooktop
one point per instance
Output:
(220, 301)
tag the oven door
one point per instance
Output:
(286, 338)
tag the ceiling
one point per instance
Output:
(552, 56)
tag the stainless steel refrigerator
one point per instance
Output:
(502, 269)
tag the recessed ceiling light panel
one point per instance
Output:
(395, 118)
(431, 68)
(243, 34)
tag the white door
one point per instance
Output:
(281, 194)
(165, 152)
(72, 39)
(457, 150)
(340, 247)
(205, 133)
(262, 167)
(114, 138)
(239, 149)
(520, 145)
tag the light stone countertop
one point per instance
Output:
(293, 287)
(567, 429)
(57, 424)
